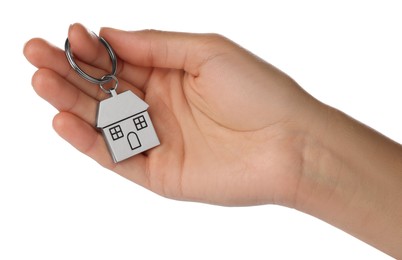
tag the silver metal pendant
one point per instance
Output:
(126, 125)
(123, 118)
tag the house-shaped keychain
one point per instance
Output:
(126, 125)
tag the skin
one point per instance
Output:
(234, 130)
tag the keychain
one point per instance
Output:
(122, 118)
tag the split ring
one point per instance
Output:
(111, 90)
(105, 78)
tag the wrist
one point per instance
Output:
(351, 179)
(321, 168)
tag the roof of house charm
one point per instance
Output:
(126, 125)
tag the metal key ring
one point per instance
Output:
(86, 76)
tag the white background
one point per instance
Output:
(56, 203)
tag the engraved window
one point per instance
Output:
(116, 132)
(140, 123)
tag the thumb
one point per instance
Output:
(151, 48)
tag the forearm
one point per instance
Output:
(353, 179)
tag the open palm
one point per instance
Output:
(228, 123)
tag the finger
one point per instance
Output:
(64, 96)
(83, 137)
(88, 141)
(86, 46)
(45, 55)
(164, 49)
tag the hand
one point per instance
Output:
(231, 126)
(234, 130)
